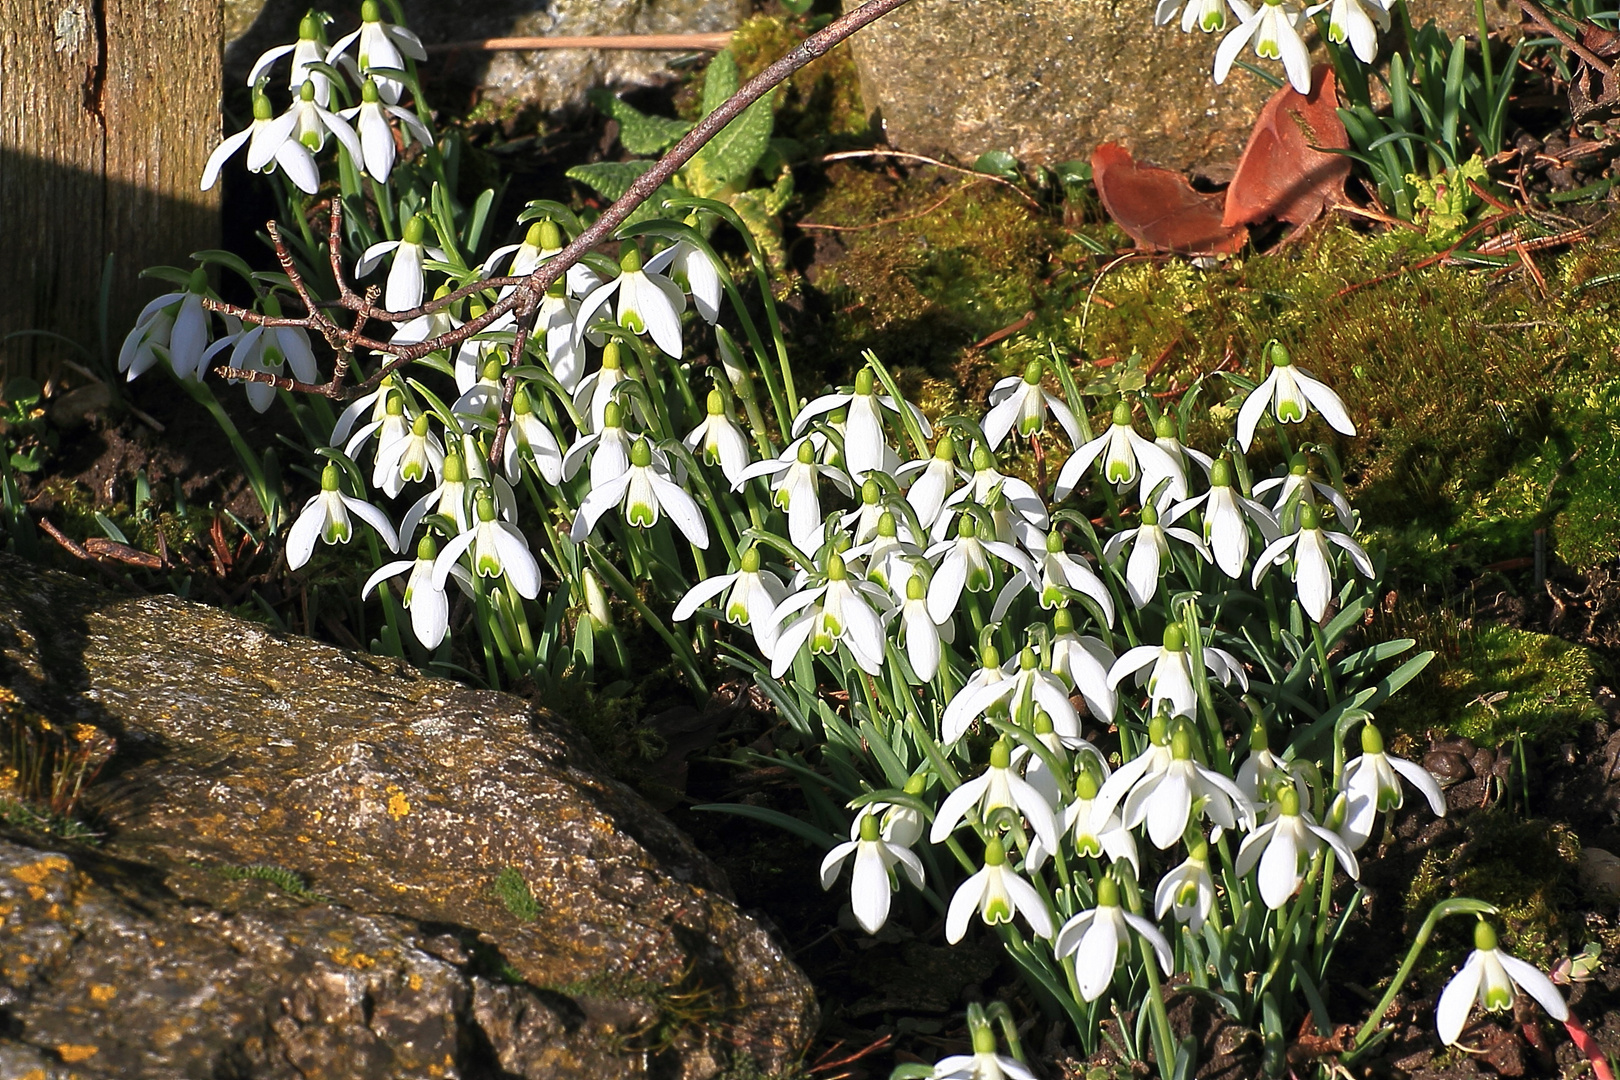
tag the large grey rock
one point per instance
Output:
(399, 802)
(546, 80)
(1049, 80)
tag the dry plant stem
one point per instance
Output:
(679, 42)
(1540, 18)
(524, 299)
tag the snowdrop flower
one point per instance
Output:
(269, 141)
(997, 894)
(1018, 512)
(529, 439)
(649, 303)
(555, 320)
(999, 787)
(482, 398)
(902, 824)
(173, 327)
(718, 440)
(1188, 891)
(1166, 798)
(428, 605)
(984, 1063)
(1373, 784)
(752, 596)
(1263, 772)
(1095, 937)
(452, 498)
(1170, 680)
(1225, 530)
(1060, 574)
(865, 446)
(1024, 687)
(1299, 486)
(309, 50)
(1488, 976)
(1350, 20)
(1126, 459)
(1165, 438)
(404, 289)
(498, 548)
(1291, 392)
(408, 458)
(596, 390)
(794, 488)
(543, 240)
(1283, 848)
(891, 561)
(607, 448)
(1094, 828)
(1083, 663)
(870, 881)
(316, 122)
(1208, 15)
(920, 633)
(392, 426)
(381, 45)
(965, 563)
(376, 401)
(929, 491)
(1274, 25)
(370, 118)
(325, 517)
(643, 491)
(1018, 403)
(1313, 573)
(268, 349)
(1149, 546)
(841, 609)
(685, 259)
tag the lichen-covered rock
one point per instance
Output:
(1049, 80)
(328, 860)
(545, 80)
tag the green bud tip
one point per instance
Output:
(307, 91)
(1220, 474)
(521, 403)
(984, 1038)
(370, 11)
(630, 259)
(1107, 893)
(613, 414)
(869, 828)
(1259, 739)
(1277, 354)
(915, 589)
(427, 550)
(1299, 464)
(1159, 730)
(419, 426)
(1288, 800)
(995, 853)
(1122, 414)
(486, 508)
(309, 27)
(1054, 542)
(531, 238)
(551, 237)
(1063, 621)
(1308, 517)
(871, 492)
(967, 528)
(1181, 743)
(476, 308)
(842, 542)
(416, 229)
(1043, 722)
(864, 382)
(807, 453)
(1175, 638)
(455, 470)
(1199, 852)
(1484, 936)
(1149, 513)
(1164, 427)
(331, 476)
(611, 357)
(750, 560)
(716, 404)
(1027, 660)
(945, 449)
(990, 657)
(395, 405)
(369, 93)
(836, 570)
(492, 370)
(198, 281)
(1372, 740)
(1085, 785)
(262, 109)
(559, 288)
(886, 527)
(1032, 372)
(982, 459)
(916, 784)
(1001, 754)
(640, 454)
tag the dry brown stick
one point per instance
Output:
(632, 42)
(905, 155)
(1541, 19)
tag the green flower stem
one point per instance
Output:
(1158, 1016)
(1455, 906)
(627, 592)
(1215, 737)
(1324, 911)
(1323, 666)
(391, 637)
(269, 499)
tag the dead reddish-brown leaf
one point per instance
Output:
(1282, 174)
(1159, 209)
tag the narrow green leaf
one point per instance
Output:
(786, 822)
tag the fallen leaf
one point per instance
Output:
(1282, 175)
(1158, 208)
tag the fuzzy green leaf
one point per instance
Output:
(731, 155)
(638, 132)
(720, 81)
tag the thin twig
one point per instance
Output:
(846, 155)
(1541, 19)
(632, 42)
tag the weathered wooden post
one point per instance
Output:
(108, 111)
